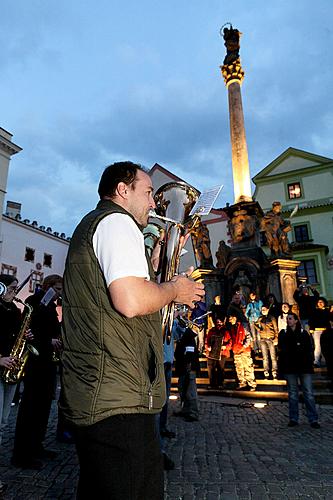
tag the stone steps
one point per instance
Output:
(266, 389)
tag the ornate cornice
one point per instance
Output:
(9, 147)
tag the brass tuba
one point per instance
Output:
(174, 202)
(20, 350)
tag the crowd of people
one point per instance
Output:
(115, 375)
(290, 346)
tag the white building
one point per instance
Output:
(29, 249)
(26, 249)
(7, 149)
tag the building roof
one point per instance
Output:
(301, 159)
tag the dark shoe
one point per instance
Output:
(292, 423)
(315, 425)
(189, 418)
(178, 413)
(43, 453)
(168, 464)
(168, 434)
(27, 463)
(316, 365)
(241, 388)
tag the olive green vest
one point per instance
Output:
(111, 364)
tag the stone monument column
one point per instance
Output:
(233, 75)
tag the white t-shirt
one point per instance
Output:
(119, 247)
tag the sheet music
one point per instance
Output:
(206, 201)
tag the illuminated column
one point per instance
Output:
(233, 75)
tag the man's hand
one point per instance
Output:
(8, 362)
(187, 290)
(29, 335)
(156, 254)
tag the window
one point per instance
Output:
(36, 279)
(294, 190)
(7, 269)
(307, 269)
(47, 260)
(301, 233)
(29, 254)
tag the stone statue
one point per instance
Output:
(276, 228)
(242, 227)
(231, 41)
(222, 255)
(243, 284)
(201, 243)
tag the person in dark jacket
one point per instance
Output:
(273, 305)
(319, 321)
(268, 330)
(236, 308)
(295, 361)
(306, 297)
(187, 368)
(326, 343)
(218, 343)
(10, 323)
(40, 378)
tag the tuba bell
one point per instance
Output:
(174, 202)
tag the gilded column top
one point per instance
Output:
(232, 70)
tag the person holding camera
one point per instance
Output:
(306, 303)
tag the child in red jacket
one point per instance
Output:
(241, 348)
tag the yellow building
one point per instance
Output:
(302, 179)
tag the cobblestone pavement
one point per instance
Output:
(234, 452)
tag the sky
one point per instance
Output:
(86, 83)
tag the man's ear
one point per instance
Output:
(122, 190)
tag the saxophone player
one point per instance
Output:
(40, 377)
(10, 321)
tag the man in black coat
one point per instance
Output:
(40, 378)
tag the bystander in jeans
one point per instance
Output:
(295, 350)
(253, 312)
(318, 324)
(267, 326)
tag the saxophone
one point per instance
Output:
(174, 202)
(21, 349)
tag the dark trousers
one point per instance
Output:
(34, 410)
(120, 459)
(216, 371)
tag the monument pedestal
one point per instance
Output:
(213, 280)
(282, 279)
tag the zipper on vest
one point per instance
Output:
(150, 399)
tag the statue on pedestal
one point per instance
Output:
(222, 255)
(242, 226)
(201, 244)
(231, 41)
(276, 228)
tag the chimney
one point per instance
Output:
(13, 209)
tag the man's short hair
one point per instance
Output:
(51, 280)
(122, 171)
